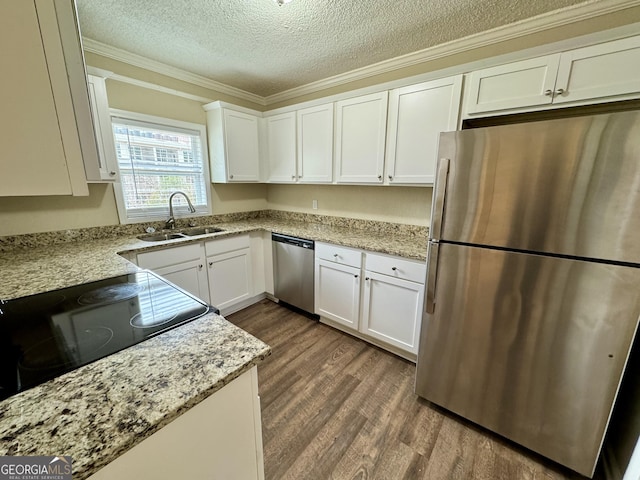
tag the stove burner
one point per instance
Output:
(47, 354)
(110, 294)
(142, 320)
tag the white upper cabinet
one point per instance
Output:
(281, 147)
(417, 115)
(234, 145)
(105, 169)
(519, 84)
(46, 120)
(602, 71)
(595, 74)
(315, 144)
(360, 138)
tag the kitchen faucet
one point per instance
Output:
(171, 222)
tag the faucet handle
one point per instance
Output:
(150, 230)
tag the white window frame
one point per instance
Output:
(163, 122)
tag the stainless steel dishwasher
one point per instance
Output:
(293, 271)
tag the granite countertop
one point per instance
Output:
(101, 410)
(98, 412)
(34, 269)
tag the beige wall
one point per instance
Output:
(398, 204)
(410, 205)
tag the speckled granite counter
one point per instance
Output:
(29, 269)
(100, 411)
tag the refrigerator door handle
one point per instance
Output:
(432, 270)
(439, 194)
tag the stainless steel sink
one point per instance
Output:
(161, 237)
(192, 232)
(182, 233)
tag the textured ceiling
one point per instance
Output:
(263, 48)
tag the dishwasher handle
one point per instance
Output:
(295, 241)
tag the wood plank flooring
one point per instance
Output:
(335, 407)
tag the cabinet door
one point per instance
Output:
(281, 147)
(337, 292)
(519, 84)
(360, 138)
(41, 148)
(391, 310)
(105, 170)
(241, 146)
(417, 115)
(190, 276)
(229, 278)
(600, 71)
(315, 144)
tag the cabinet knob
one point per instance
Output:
(112, 173)
(390, 177)
(379, 177)
(200, 266)
(356, 276)
(211, 264)
(394, 268)
(367, 278)
(548, 93)
(231, 176)
(335, 255)
(293, 177)
(559, 91)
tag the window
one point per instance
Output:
(157, 157)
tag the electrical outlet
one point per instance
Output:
(315, 204)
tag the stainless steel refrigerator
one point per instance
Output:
(533, 284)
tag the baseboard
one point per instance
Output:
(241, 305)
(412, 357)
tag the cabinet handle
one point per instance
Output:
(559, 91)
(548, 93)
(112, 173)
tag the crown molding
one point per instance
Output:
(93, 46)
(540, 23)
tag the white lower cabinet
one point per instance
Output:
(229, 271)
(181, 265)
(218, 271)
(373, 296)
(338, 292)
(221, 437)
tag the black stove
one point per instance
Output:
(45, 335)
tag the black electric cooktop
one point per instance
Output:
(45, 335)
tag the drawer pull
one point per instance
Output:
(394, 268)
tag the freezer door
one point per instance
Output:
(530, 347)
(568, 186)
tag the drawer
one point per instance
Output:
(226, 244)
(341, 255)
(169, 256)
(397, 267)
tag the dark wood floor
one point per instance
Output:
(334, 407)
